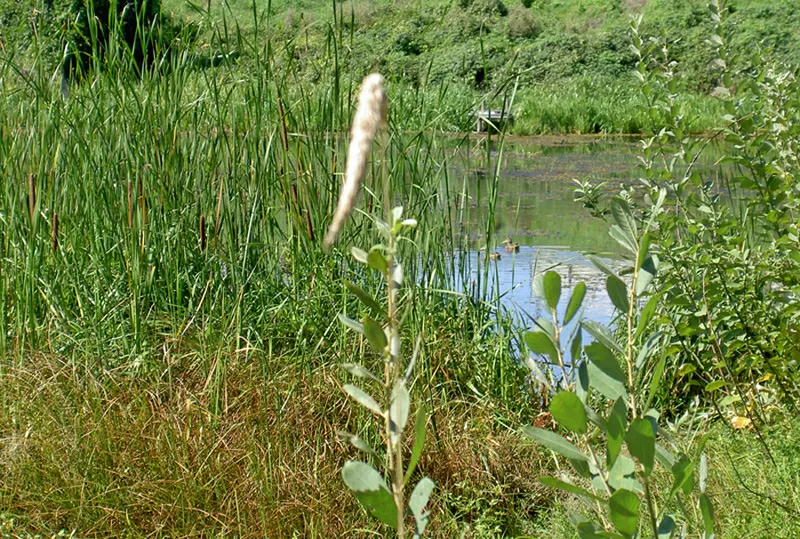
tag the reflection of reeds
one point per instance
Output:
(369, 119)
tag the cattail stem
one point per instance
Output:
(284, 130)
(219, 209)
(130, 205)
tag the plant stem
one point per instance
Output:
(393, 372)
(629, 350)
(650, 509)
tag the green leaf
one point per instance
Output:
(417, 502)
(622, 239)
(652, 416)
(587, 530)
(666, 528)
(655, 381)
(377, 261)
(646, 274)
(703, 477)
(623, 216)
(617, 423)
(606, 385)
(575, 302)
(641, 441)
(582, 468)
(547, 326)
(618, 293)
(601, 356)
(541, 343)
(398, 410)
(647, 349)
(730, 399)
(622, 475)
(602, 266)
(537, 374)
(553, 441)
(352, 324)
(365, 298)
(374, 334)
(576, 345)
(371, 491)
(359, 254)
(601, 333)
(715, 385)
(383, 228)
(582, 381)
(359, 371)
(708, 514)
(624, 511)
(683, 472)
(419, 441)
(552, 482)
(363, 398)
(568, 410)
(538, 286)
(644, 247)
(552, 289)
(397, 273)
(356, 441)
(646, 315)
(664, 456)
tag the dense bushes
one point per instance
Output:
(99, 22)
(730, 273)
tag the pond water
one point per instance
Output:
(535, 208)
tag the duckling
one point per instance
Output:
(491, 255)
(511, 247)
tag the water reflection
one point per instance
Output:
(535, 207)
(512, 278)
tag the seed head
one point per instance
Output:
(369, 119)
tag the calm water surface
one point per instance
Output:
(535, 207)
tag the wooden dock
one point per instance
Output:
(486, 119)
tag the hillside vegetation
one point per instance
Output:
(569, 61)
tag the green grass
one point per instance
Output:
(752, 496)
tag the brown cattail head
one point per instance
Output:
(202, 233)
(369, 119)
(32, 196)
(54, 233)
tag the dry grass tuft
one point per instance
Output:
(107, 454)
(469, 450)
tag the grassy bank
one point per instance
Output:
(170, 345)
(572, 60)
